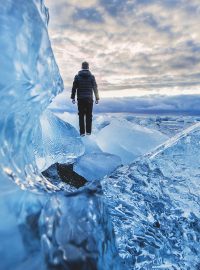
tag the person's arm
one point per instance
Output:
(95, 89)
(74, 88)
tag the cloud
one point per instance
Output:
(89, 14)
(128, 42)
(148, 104)
(84, 4)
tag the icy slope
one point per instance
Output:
(154, 204)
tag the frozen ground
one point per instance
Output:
(129, 136)
(154, 205)
(153, 202)
(167, 124)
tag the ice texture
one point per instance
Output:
(60, 140)
(128, 140)
(168, 125)
(77, 232)
(29, 80)
(154, 204)
(19, 228)
(95, 166)
(31, 223)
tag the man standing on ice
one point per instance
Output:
(85, 84)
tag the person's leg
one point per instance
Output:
(81, 113)
(89, 108)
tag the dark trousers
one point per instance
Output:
(85, 107)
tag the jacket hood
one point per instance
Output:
(84, 73)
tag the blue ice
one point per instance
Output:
(144, 215)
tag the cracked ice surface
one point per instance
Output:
(154, 204)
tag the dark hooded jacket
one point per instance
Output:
(85, 84)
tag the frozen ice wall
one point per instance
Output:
(29, 79)
(32, 215)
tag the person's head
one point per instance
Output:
(85, 65)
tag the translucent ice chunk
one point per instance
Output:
(90, 144)
(128, 140)
(29, 80)
(96, 165)
(61, 141)
(77, 232)
(154, 204)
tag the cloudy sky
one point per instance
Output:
(134, 47)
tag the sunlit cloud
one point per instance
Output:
(132, 46)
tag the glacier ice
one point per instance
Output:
(19, 228)
(123, 135)
(95, 166)
(168, 125)
(91, 145)
(154, 205)
(29, 80)
(60, 142)
(128, 140)
(78, 232)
